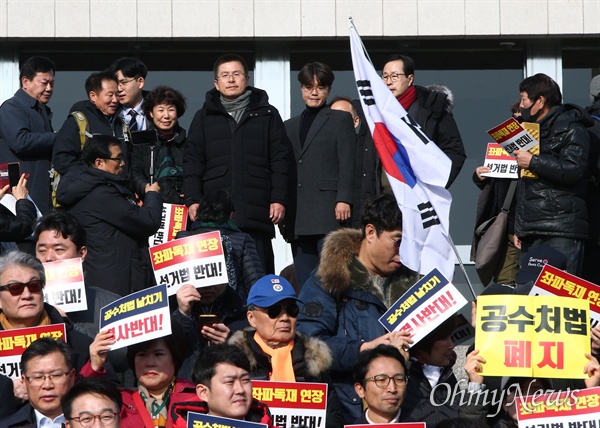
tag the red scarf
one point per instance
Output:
(408, 97)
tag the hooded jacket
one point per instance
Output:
(249, 158)
(117, 228)
(341, 305)
(259, 413)
(311, 359)
(66, 155)
(553, 205)
(433, 112)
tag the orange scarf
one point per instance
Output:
(281, 360)
(6, 325)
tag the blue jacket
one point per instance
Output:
(341, 305)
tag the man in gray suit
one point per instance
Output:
(26, 133)
(324, 144)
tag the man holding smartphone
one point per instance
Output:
(26, 133)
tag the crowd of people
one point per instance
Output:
(95, 189)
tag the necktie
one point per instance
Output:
(133, 126)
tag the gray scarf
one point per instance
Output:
(237, 107)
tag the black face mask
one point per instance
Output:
(527, 116)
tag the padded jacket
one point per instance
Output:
(553, 205)
(249, 158)
(341, 306)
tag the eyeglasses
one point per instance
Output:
(118, 159)
(106, 418)
(382, 381)
(275, 310)
(57, 378)
(123, 83)
(16, 288)
(396, 242)
(393, 77)
(226, 76)
(311, 89)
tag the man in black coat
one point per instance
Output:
(237, 143)
(26, 134)
(551, 202)
(428, 107)
(117, 228)
(101, 111)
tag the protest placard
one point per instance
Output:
(463, 331)
(502, 164)
(512, 136)
(533, 336)
(428, 303)
(200, 420)
(138, 317)
(293, 404)
(14, 342)
(577, 408)
(64, 285)
(400, 424)
(196, 260)
(555, 282)
(174, 220)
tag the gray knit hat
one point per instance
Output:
(594, 88)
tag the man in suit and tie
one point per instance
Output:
(324, 145)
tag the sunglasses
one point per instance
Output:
(16, 288)
(275, 310)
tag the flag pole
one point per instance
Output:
(351, 21)
(462, 267)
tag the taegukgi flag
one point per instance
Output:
(416, 168)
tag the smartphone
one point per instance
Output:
(144, 137)
(207, 319)
(14, 173)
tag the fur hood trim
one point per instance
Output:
(339, 251)
(446, 91)
(340, 270)
(317, 355)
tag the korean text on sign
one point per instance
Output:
(201, 420)
(293, 404)
(577, 408)
(198, 260)
(555, 282)
(428, 303)
(139, 317)
(64, 285)
(14, 342)
(541, 336)
(173, 221)
(512, 136)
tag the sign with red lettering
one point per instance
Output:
(577, 408)
(512, 136)
(174, 220)
(293, 404)
(502, 164)
(64, 285)
(14, 342)
(196, 260)
(427, 304)
(138, 317)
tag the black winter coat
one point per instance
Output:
(249, 158)
(168, 166)
(432, 112)
(17, 228)
(553, 205)
(117, 228)
(66, 155)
